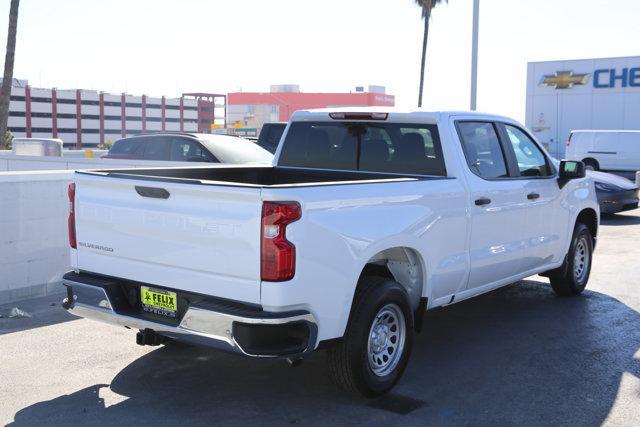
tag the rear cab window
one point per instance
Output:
(366, 146)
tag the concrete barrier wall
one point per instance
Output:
(68, 153)
(34, 250)
(81, 153)
(10, 162)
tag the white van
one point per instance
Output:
(615, 150)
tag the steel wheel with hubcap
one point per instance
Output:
(581, 260)
(572, 276)
(376, 346)
(386, 340)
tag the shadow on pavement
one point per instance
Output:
(44, 311)
(619, 219)
(518, 355)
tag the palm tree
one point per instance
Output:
(5, 95)
(427, 6)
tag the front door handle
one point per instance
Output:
(482, 201)
(533, 196)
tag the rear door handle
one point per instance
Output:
(482, 201)
(533, 196)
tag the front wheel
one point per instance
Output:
(591, 164)
(572, 276)
(376, 347)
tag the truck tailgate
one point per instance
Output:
(202, 238)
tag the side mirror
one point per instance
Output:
(570, 169)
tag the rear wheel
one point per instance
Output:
(591, 164)
(376, 347)
(572, 276)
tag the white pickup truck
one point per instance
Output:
(365, 220)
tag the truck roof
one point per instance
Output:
(394, 113)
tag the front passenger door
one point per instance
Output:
(546, 219)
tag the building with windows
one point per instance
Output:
(562, 96)
(252, 109)
(87, 118)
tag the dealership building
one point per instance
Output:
(86, 117)
(571, 95)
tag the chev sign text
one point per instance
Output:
(610, 77)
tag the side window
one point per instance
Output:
(482, 149)
(127, 146)
(273, 134)
(185, 150)
(156, 149)
(531, 160)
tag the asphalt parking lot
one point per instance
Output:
(518, 355)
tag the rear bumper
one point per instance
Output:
(207, 321)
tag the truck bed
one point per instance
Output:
(254, 176)
(193, 229)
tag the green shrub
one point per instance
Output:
(6, 142)
(105, 145)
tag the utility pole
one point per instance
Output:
(474, 54)
(424, 58)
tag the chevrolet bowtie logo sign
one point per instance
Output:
(564, 79)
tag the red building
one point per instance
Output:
(252, 109)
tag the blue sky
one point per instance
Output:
(169, 47)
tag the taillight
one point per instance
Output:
(72, 215)
(278, 259)
(569, 140)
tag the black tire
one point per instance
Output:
(570, 279)
(591, 164)
(349, 360)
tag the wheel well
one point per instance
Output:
(589, 218)
(402, 265)
(591, 160)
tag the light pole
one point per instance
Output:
(474, 55)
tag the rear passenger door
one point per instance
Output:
(498, 206)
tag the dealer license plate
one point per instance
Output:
(159, 301)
